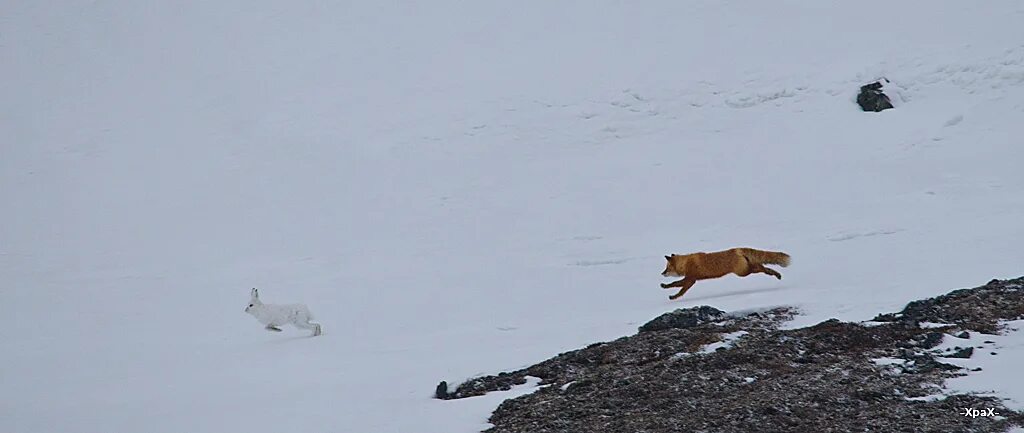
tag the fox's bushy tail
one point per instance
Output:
(761, 257)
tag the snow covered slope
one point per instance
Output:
(464, 187)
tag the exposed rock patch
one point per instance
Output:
(833, 376)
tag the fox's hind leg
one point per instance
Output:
(761, 269)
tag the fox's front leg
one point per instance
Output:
(686, 284)
(273, 328)
(679, 283)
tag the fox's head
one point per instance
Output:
(671, 268)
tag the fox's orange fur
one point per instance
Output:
(703, 266)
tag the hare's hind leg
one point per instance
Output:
(307, 324)
(304, 321)
(273, 328)
(318, 331)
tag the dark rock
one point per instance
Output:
(684, 318)
(482, 385)
(441, 391)
(871, 97)
(931, 340)
(887, 317)
(964, 334)
(965, 353)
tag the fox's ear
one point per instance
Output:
(666, 258)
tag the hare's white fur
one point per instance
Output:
(275, 315)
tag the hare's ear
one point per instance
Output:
(255, 294)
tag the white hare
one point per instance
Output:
(275, 315)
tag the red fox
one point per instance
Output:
(703, 266)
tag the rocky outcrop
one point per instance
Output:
(702, 369)
(872, 98)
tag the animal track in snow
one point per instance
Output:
(747, 101)
(848, 236)
(600, 262)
